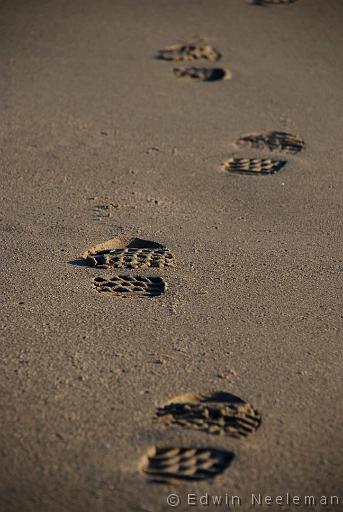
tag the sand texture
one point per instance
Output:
(171, 249)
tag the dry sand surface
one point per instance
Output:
(100, 141)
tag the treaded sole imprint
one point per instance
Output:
(255, 166)
(188, 52)
(216, 413)
(274, 141)
(203, 74)
(132, 253)
(167, 465)
(133, 258)
(127, 285)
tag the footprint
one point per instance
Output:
(274, 141)
(128, 286)
(271, 2)
(187, 52)
(256, 166)
(128, 253)
(132, 253)
(216, 413)
(195, 51)
(167, 465)
(203, 74)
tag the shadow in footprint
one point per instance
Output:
(203, 74)
(79, 262)
(265, 3)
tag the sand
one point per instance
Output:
(100, 140)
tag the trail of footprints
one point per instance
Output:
(134, 253)
(214, 413)
(218, 413)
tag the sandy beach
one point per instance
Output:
(199, 352)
